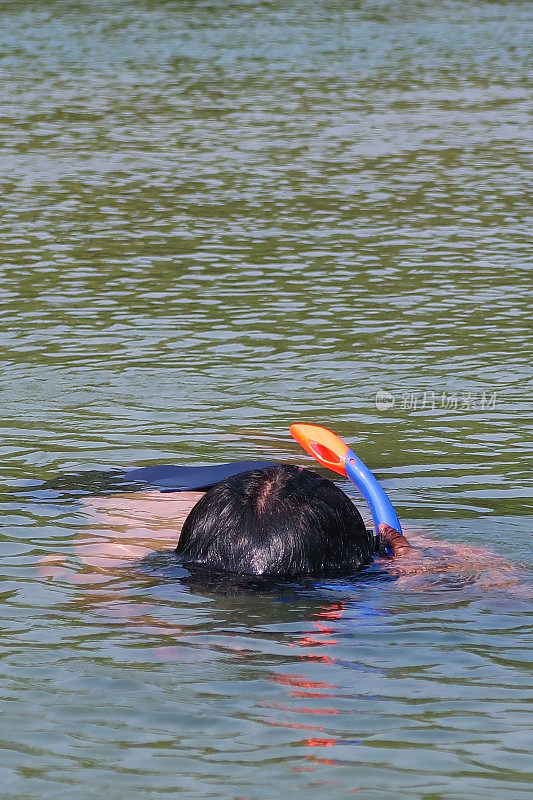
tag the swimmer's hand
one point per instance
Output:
(392, 542)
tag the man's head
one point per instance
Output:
(281, 522)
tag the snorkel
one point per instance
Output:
(334, 454)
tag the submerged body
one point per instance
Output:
(122, 529)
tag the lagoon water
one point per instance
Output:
(217, 218)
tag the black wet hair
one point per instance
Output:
(283, 522)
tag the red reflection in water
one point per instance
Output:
(323, 659)
(294, 725)
(302, 710)
(317, 710)
(331, 762)
(288, 679)
(299, 686)
(334, 611)
(310, 641)
(321, 742)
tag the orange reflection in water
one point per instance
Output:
(300, 686)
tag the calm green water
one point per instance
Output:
(217, 218)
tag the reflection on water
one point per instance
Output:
(216, 219)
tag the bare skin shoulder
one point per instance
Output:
(123, 528)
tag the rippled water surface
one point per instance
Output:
(217, 218)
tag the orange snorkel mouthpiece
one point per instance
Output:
(330, 451)
(323, 445)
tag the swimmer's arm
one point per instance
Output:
(426, 561)
(393, 541)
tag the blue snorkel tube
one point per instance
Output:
(330, 451)
(380, 506)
